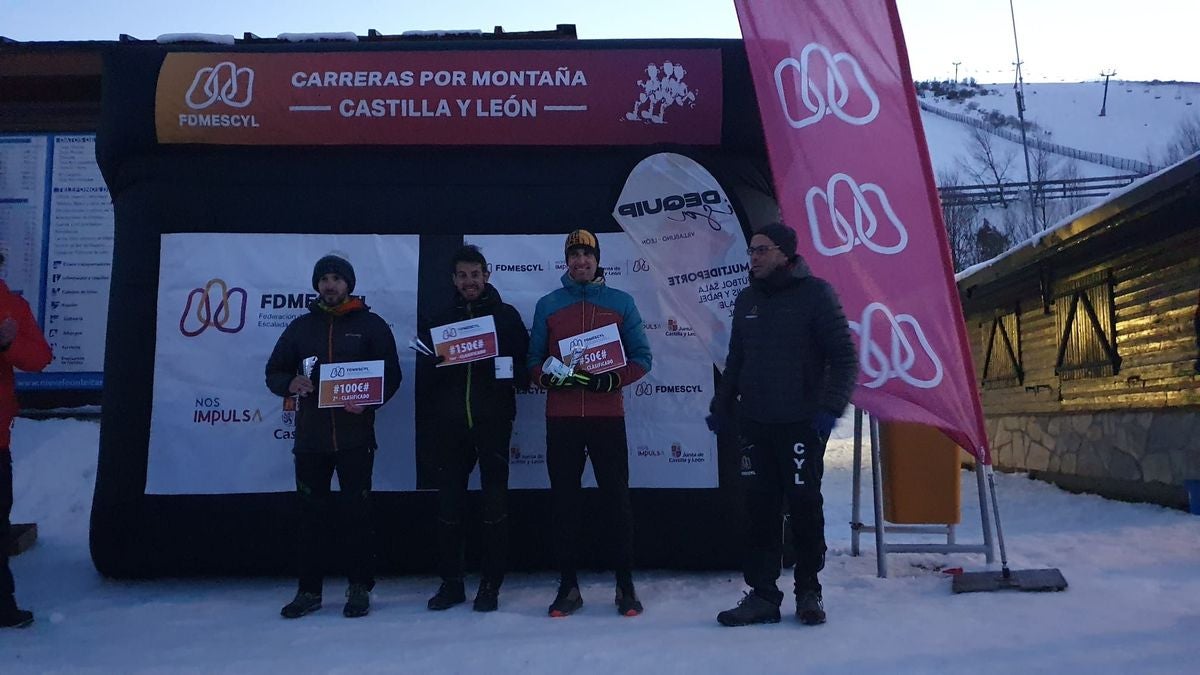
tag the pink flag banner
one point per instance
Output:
(853, 178)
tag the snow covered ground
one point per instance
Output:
(1140, 119)
(1133, 604)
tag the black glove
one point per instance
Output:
(603, 383)
(547, 381)
(823, 422)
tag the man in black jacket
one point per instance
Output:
(337, 329)
(476, 404)
(788, 377)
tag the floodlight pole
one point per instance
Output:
(1019, 86)
(956, 65)
(1104, 103)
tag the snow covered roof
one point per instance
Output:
(1074, 226)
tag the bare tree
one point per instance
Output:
(960, 223)
(989, 162)
(1185, 142)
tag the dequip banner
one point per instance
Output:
(223, 301)
(501, 97)
(853, 178)
(685, 228)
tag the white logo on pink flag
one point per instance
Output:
(837, 92)
(901, 360)
(861, 227)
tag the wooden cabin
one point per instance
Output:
(1086, 343)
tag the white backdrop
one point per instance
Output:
(215, 428)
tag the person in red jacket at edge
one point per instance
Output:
(21, 346)
(585, 416)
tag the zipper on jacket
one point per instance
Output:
(332, 416)
(470, 367)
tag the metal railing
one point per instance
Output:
(1000, 193)
(1121, 163)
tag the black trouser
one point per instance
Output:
(569, 442)
(783, 461)
(6, 502)
(317, 505)
(461, 448)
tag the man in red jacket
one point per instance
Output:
(21, 346)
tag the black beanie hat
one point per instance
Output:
(585, 239)
(336, 265)
(782, 236)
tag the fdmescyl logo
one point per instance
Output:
(519, 267)
(218, 314)
(223, 83)
(648, 389)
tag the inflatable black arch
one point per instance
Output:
(158, 188)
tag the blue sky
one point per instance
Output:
(1061, 40)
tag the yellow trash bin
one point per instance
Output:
(920, 475)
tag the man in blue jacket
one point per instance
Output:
(338, 328)
(585, 416)
(788, 377)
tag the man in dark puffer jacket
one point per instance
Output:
(476, 405)
(337, 329)
(788, 377)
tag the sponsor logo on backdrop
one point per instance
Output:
(209, 411)
(663, 88)
(219, 314)
(644, 388)
(899, 361)
(641, 265)
(675, 454)
(865, 225)
(278, 308)
(670, 203)
(222, 83)
(518, 267)
(676, 330)
(645, 451)
(521, 457)
(838, 94)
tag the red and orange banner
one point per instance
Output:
(853, 178)
(542, 97)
